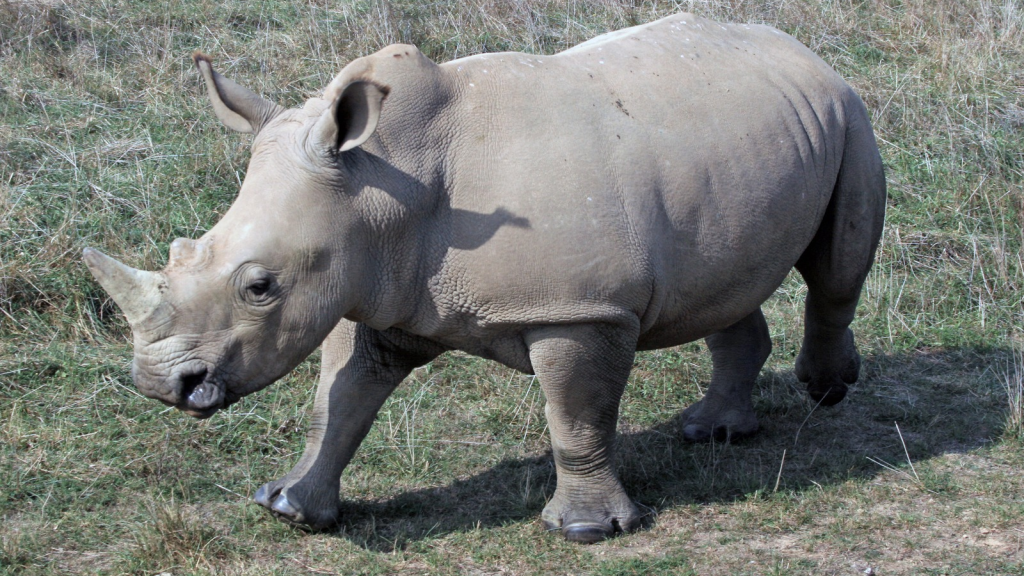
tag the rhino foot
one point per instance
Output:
(705, 421)
(827, 392)
(587, 523)
(287, 503)
(827, 375)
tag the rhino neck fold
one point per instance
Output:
(398, 182)
(400, 219)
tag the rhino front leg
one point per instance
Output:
(583, 370)
(727, 411)
(361, 367)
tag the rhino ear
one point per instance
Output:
(237, 107)
(355, 114)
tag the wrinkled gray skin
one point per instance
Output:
(553, 213)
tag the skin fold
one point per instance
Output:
(647, 188)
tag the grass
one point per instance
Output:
(1014, 386)
(107, 140)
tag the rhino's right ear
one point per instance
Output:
(353, 115)
(237, 107)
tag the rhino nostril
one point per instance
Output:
(191, 380)
(200, 394)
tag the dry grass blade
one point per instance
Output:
(906, 452)
(1013, 380)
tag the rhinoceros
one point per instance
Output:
(556, 214)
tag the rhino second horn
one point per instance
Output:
(137, 292)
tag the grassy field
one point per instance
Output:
(107, 140)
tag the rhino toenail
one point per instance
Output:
(696, 433)
(262, 496)
(587, 532)
(827, 396)
(284, 507)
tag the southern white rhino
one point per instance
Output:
(553, 213)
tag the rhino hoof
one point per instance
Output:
(277, 502)
(293, 508)
(701, 434)
(587, 532)
(583, 532)
(283, 507)
(827, 395)
(263, 496)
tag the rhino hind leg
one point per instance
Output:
(835, 266)
(727, 412)
(583, 372)
(828, 358)
(361, 367)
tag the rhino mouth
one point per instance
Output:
(202, 394)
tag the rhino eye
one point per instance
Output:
(260, 290)
(259, 287)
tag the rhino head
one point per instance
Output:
(241, 306)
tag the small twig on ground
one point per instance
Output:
(229, 491)
(796, 437)
(892, 468)
(916, 477)
(889, 467)
(778, 478)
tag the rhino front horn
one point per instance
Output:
(137, 292)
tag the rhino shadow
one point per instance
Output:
(945, 401)
(466, 230)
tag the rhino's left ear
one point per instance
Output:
(354, 114)
(237, 107)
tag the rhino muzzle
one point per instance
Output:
(199, 394)
(191, 386)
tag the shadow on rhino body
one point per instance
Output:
(470, 230)
(946, 401)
